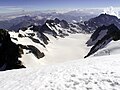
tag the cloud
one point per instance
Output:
(7, 9)
(112, 11)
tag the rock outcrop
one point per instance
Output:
(9, 52)
(102, 36)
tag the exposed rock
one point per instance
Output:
(43, 37)
(56, 21)
(49, 21)
(35, 51)
(31, 34)
(36, 41)
(102, 36)
(23, 28)
(35, 28)
(9, 52)
(44, 28)
(64, 24)
(20, 35)
(14, 38)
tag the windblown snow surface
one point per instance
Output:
(97, 73)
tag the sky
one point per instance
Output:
(18, 5)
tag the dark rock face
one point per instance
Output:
(23, 28)
(33, 50)
(20, 35)
(50, 24)
(46, 29)
(102, 36)
(35, 28)
(64, 24)
(36, 41)
(31, 34)
(57, 21)
(43, 37)
(14, 38)
(9, 52)
(49, 21)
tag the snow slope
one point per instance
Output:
(98, 73)
(111, 49)
(66, 49)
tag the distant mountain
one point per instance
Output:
(86, 26)
(57, 27)
(102, 36)
(26, 21)
(19, 22)
(102, 19)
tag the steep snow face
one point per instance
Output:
(111, 49)
(99, 73)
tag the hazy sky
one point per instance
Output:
(15, 5)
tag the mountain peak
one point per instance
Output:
(102, 19)
(107, 15)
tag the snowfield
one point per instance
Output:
(70, 48)
(58, 50)
(96, 73)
